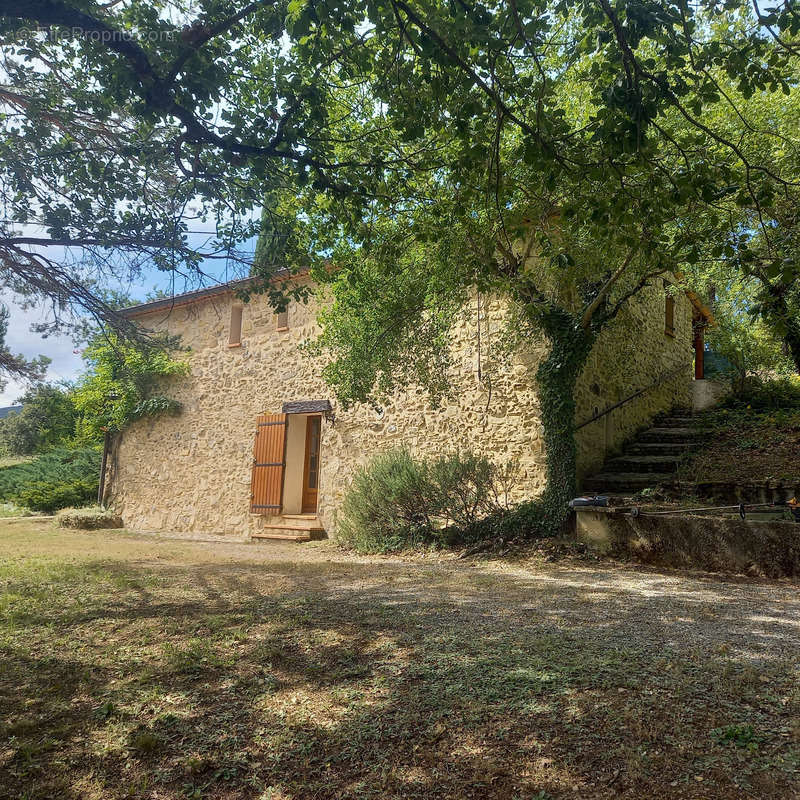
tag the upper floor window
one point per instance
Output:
(235, 338)
(669, 310)
(282, 320)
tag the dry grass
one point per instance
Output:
(150, 668)
(747, 447)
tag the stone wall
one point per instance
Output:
(630, 355)
(191, 472)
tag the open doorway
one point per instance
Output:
(301, 480)
(311, 465)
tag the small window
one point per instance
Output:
(282, 320)
(235, 339)
(669, 311)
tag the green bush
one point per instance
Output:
(60, 478)
(63, 465)
(769, 395)
(396, 502)
(50, 496)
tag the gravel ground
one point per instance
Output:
(153, 667)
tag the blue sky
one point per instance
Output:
(66, 361)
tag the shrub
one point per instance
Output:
(769, 395)
(88, 518)
(60, 466)
(387, 506)
(396, 502)
(50, 496)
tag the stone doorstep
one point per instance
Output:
(283, 535)
(290, 527)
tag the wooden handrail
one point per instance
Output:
(666, 376)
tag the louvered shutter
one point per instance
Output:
(269, 462)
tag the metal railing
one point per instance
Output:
(665, 377)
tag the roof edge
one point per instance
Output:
(187, 298)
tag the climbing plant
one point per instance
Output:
(123, 383)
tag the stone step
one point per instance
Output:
(306, 521)
(281, 534)
(624, 483)
(658, 448)
(659, 434)
(643, 463)
(675, 422)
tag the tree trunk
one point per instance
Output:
(557, 377)
(792, 340)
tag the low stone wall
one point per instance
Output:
(770, 549)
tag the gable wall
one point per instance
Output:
(191, 472)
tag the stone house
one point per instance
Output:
(261, 447)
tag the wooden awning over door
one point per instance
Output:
(269, 464)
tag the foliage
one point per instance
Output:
(88, 518)
(747, 346)
(360, 100)
(396, 502)
(124, 382)
(750, 444)
(769, 395)
(50, 496)
(47, 419)
(742, 735)
(60, 471)
(14, 363)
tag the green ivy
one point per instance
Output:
(124, 383)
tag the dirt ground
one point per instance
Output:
(144, 667)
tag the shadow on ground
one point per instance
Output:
(327, 679)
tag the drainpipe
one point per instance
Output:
(110, 398)
(101, 489)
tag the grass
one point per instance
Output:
(152, 668)
(747, 446)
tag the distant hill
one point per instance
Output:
(4, 412)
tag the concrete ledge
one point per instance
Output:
(707, 393)
(717, 544)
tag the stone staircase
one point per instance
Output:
(651, 459)
(290, 528)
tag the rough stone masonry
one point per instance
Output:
(192, 472)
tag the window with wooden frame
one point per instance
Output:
(282, 320)
(235, 337)
(669, 310)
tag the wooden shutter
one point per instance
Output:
(269, 462)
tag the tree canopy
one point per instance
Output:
(126, 123)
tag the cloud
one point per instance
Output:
(20, 339)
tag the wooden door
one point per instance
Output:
(311, 469)
(269, 462)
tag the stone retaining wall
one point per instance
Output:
(717, 544)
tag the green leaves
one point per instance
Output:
(123, 383)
